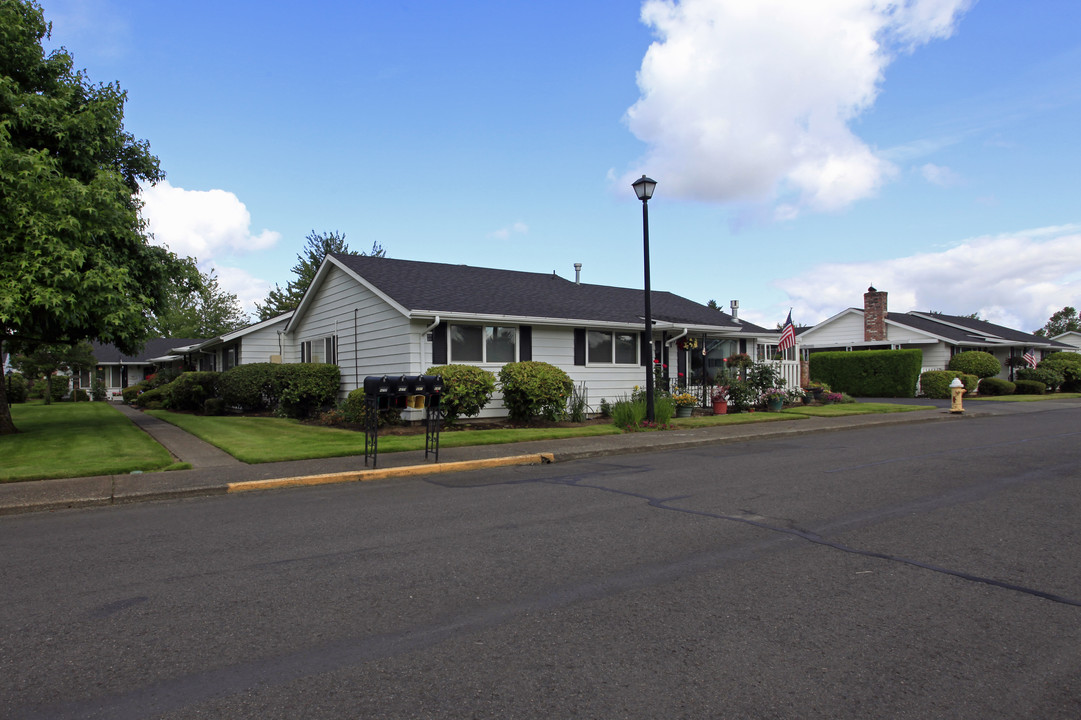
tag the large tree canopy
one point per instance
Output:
(1064, 320)
(203, 312)
(75, 260)
(280, 301)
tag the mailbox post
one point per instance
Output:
(402, 392)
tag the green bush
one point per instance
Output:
(354, 409)
(996, 386)
(869, 373)
(163, 376)
(936, 383)
(214, 406)
(1030, 387)
(133, 391)
(153, 398)
(466, 389)
(306, 388)
(191, 390)
(1068, 364)
(534, 389)
(971, 382)
(16, 388)
(97, 390)
(80, 395)
(742, 396)
(975, 362)
(36, 389)
(1048, 375)
(250, 388)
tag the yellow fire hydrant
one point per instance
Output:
(957, 391)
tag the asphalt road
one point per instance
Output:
(913, 571)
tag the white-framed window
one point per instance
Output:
(483, 344)
(320, 350)
(605, 347)
(768, 353)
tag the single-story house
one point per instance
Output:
(118, 370)
(1071, 338)
(939, 336)
(383, 316)
(258, 343)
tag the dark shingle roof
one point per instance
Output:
(444, 288)
(970, 330)
(154, 348)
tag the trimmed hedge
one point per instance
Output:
(1030, 387)
(466, 389)
(1045, 374)
(996, 386)
(535, 389)
(294, 390)
(869, 373)
(250, 388)
(975, 362)
(936, 383)
(190, 391)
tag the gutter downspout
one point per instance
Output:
(425, 331)
(677, 337)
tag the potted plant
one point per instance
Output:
(720, 400)
(817, 388)
(685, 403)
(773, 399)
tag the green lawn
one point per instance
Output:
(842, 409)
(265, 439)
(75, 440)
(1027, 398)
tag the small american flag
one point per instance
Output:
(1029, 358)
(788, 335)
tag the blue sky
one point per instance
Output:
(803, 151)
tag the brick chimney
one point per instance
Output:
(874, 315)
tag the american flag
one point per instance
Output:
(1029, 358)
(788, 335)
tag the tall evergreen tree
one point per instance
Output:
(75, 259)
(318, 245)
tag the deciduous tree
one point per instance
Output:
(1064, 320)
(75, 259)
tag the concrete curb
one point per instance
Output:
(406, 471)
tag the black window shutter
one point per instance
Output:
(525, 343)
(681, 362)
(743, 345)
(579, 346)
(439, 344)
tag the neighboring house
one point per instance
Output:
(1071, 338)
(382, 316)
(118, 370)
(940, 337)
(258, 343)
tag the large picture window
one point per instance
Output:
(483, 344)
(608, 348)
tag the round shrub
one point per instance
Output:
(355, 410)
(1030, 387)
(466, 389)
(1068, 364)
(975, 362)
(191, 390)
(133, 391)
(214, 406)
(936, 383)
(16, 388)
(996, 386)
(1048, 375)
(534, 389)
(153, 398)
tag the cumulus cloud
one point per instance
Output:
(504, 233)
(201, 223)
(1017, 280)
(247, 288)
(752, 101)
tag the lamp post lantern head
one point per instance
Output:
(643, 188)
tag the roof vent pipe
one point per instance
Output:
(577, 273)
(735, 310)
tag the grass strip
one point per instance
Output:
(1026, 398)
(843, 409)
(66, 439)
(733, 419)
(264, 439)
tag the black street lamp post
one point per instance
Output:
(643, 188)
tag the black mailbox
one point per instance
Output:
(374, 385)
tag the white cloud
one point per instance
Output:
(1017, 280)
(247, 288)
(518, 228)
(752, 101)
(939, 175)
(201, 223)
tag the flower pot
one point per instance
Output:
(775, 404)
(720, 407)
(683, 412)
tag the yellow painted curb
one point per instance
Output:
(408, 471)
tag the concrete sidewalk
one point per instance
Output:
(214, 472)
